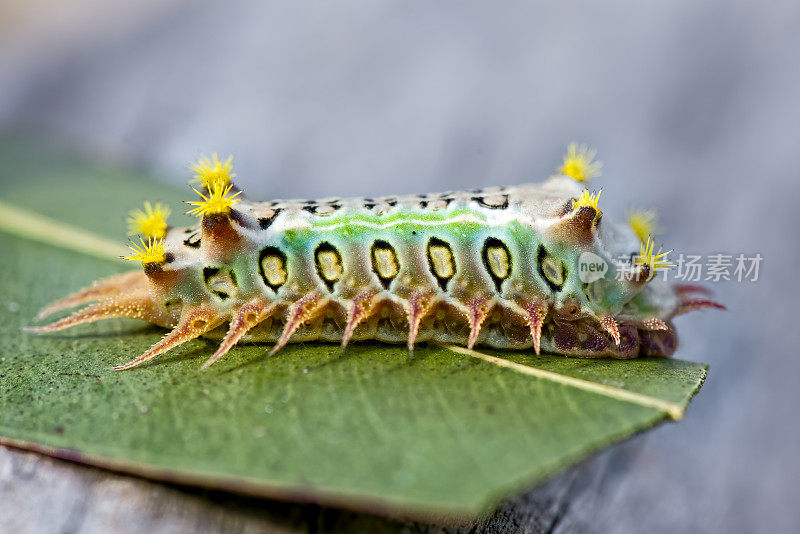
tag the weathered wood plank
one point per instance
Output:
(41, 494)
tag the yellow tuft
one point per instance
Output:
(656, 261)
(150, 251)
(150, 222)
(578, 163)
(217, 201)
(210, 171)
(644, 223)
(587, 199)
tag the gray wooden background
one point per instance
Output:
(694, 106)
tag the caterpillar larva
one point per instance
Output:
(499, 267)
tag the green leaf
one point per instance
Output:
(442, 433)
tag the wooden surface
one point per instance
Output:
(41, 494)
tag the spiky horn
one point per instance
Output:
(477, 311)
(363, 306)
(418, 305)
(102, 288)
(134, 305)
(305, 309)
(248, 316)
(194, 322)
(535, 314)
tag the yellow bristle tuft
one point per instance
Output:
(150, 222)
(644, 223)
(578, 163)
(656, 260)
(217, 201)
(210, 171)
(147, 252)
(587, 199)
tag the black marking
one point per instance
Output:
(540, 256)
(329, 279)
(441, 277)
(490, 243)
(265, 222)
(423, 204)
(271, 251)
(169, 257)
(481, 200)
(209, 272)
(315, 210)
(369, 205)
(391, 201)
(379, 247)
(193, 241)
(239, 218)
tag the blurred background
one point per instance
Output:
(693, 107)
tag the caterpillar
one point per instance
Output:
(499, 267)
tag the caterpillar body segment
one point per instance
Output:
(499, 267)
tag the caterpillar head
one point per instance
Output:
(604, 296)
